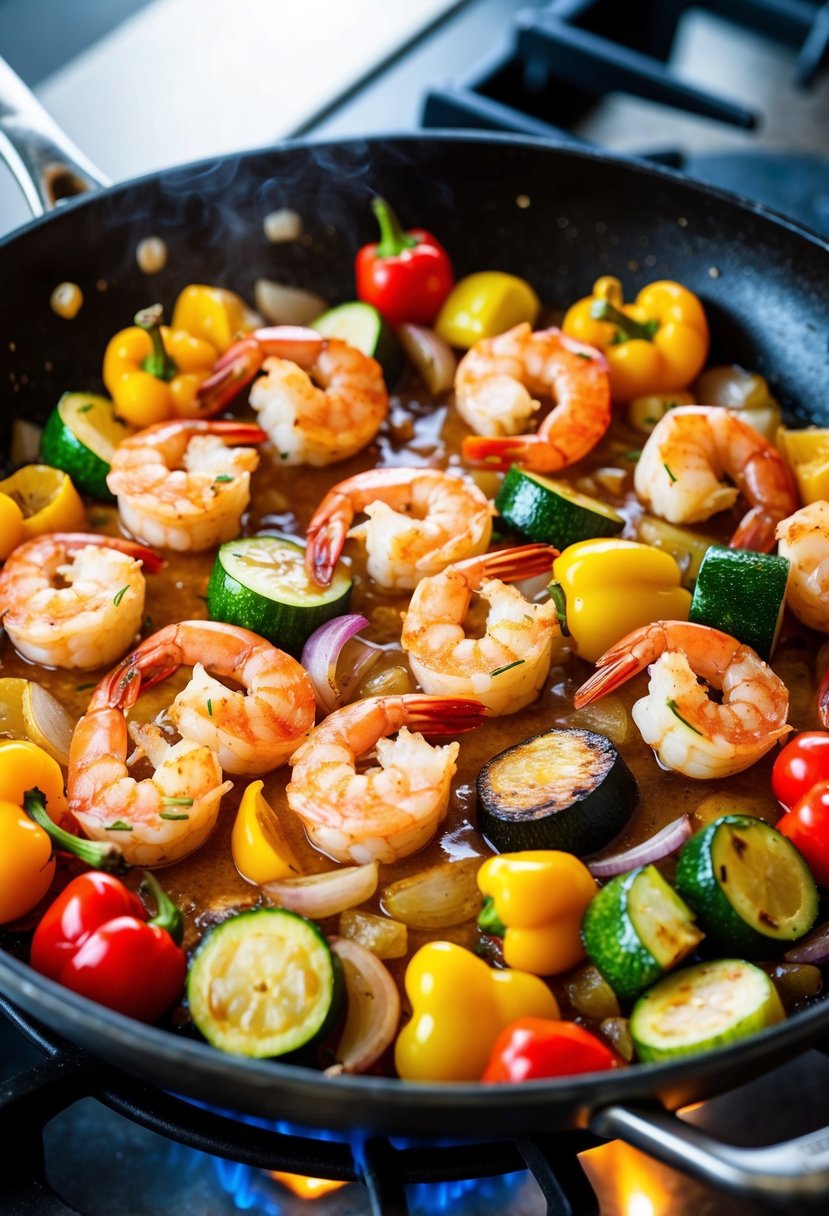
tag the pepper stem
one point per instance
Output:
(158, 363)
(560, 600)
(489, 921)
(603, 310)
(393, 239)
(100, 855)
(167, 915)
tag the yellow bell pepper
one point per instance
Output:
(807, 453)
(47, 500)
(605, 588)
(459, 1007)
(154, 373)
(25, 766)
(260, 851)
(536, 902)
(211, 313)
(483, 305)
(26, 862)
(657, 344)
(11, 525)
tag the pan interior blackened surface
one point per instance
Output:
(560, 219)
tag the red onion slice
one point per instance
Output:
(321, 652)
(373, 1009)
(661, 845)
(813, 948)
(319, 895)
(432, 358)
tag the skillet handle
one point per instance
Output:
(794, 1170)
(47, 165)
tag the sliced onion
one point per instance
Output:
(446, 894)
(432, 358)
(47, 722)
(320, 895)
(381, 935)
(283, 305)
(813, 948)
(321, 652)
(661, 845)
(373, 1009)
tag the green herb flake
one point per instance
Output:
(633, 455)
(209, 707)
(120, 595)
(84, 687)
(668, 471)
(499, 671)
(223, 477)
(284, 455)
(580, 354)
(672, 706)
(173, 815)
(120, 825)
(177, 801)
(84, 409)
(650, 421)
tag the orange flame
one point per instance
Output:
(306, 1188)
(626, 1181)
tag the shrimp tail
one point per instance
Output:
(514, 565)
(443, 715)
(499, 452)
(755, 531)
(72, 541)
(236, 368)
(614, 672)
(326, 537)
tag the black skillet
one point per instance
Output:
(556, 216)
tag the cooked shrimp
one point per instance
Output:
(493, 391)
(505, 668)
(393, 808)
(689, 450)
(249, 732)
(688, 732)
(157, 820)
(180, 487)
(804, 540)
(74, 599)
(419, 520)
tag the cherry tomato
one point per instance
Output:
(801, 764)
(807, 827)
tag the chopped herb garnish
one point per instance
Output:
(668, 471)
(177, 801)
(84, 409)
(148, 622)
(650, 421)
(223, 477)
(672, 706)
(633, 455)
(580, 354)
(120, 595)
(173, 815)
(120, 825)
(210, 707)
(284, 455)
(84, 687)
(500, 670)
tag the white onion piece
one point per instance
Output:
(373, 1008)
(661, 845)
(319, 895)
(284, 305)
(321, 652)
(446, 894)
(433, 359)
(48, 723)
(814, 948)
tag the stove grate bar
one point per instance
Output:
(554, 1163)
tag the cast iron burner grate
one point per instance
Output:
(31, 1098)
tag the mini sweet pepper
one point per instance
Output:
(658, 343)
(605, 588)
(485, 304)
(459, 1006)
(214, 314)
(153, 373)
(535, 902)
(405, 275)
(47, 501)
(531, 1048)
(258, 845)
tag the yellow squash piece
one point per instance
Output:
(807, 452)
(608, 587)
(538, 898)
(483, 305)
(260, 851)
(213, 314)
(47, 499)
(11, 525)
(459, 1007)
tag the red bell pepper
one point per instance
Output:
(405, 275)
(95, 939)
(531, 1048)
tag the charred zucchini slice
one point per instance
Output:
(565, 789)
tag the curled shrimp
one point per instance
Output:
(180, 485)
(679, 474)
(493, 391)
(157, 820)
(690, 733)
(804, 539)
(505, 668)
(249, 732)
(74, 599)
(419, 520)
(393, 808)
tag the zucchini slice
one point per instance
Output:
(264, 983)
(259, 582)
(636, 929)
(742, 593)
(565, 789)
(80, 437)
(704, 1007)
(361, 326)
(751, 889)
(553, 511)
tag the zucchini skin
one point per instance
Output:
(612, 943)
(543, 510)
(593, 817)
